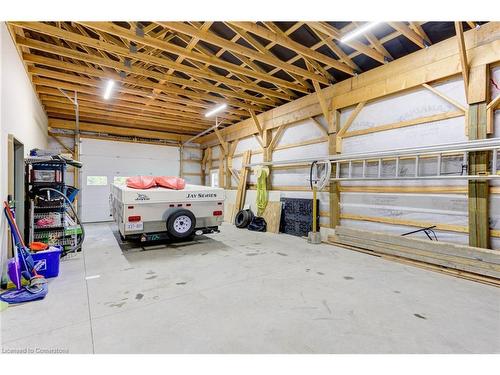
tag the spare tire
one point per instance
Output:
(181, 224)
(243, 218)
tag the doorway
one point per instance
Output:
(16, 180)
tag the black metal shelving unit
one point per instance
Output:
(48, 220)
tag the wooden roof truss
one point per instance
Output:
(169, 74)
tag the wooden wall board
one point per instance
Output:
(272, 216)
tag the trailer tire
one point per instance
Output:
(243, 218)
(181, 224)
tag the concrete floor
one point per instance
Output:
(245, 292)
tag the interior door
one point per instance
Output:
(106, 161)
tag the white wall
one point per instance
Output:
(20, 114)
(417, 103)
(120, 159)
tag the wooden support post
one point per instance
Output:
(339, 133)
(462, 51)
(221, 165)
(477, 90)
(229, 164)
(268, 154)
(203, 167)
(479, 233)
(242, 184)
(334, 191)
(181, 161)
(321, 97)
(223, 143)
(209, 165)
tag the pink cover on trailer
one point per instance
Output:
(141, 182)
(171, 182)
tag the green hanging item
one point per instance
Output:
(261, 173)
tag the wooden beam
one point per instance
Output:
(165, 86)
(61, 143)
(332, 32)
(319, 126)
(267, 50)
(125, 52)
(223, 143)
(321, 99)
(294, 46)
(437, 62)
(408, 33)
(479, 234)
(277, 137)
(57, 102)
(490, 114)
(153, 123)
(129, 132)
(478, 90)
(317, 66)
(134, 101)
(221, 42)
(351, 119)
(242, 183)
(463, 56)
(256, 122)
(443, 96)
(403, 124)
(334, 186)
(494, 103)
(120, 67)
(420, 31)
(326, 40)
(118, 105)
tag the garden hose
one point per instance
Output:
(78, 245)
(319, 177)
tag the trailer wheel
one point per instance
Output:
(181, 224)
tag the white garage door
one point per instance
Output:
(105, 161)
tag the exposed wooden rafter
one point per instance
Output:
(169, 74)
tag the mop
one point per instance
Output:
(37, 288)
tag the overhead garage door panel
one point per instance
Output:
(105, 160)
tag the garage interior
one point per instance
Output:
(359, 160)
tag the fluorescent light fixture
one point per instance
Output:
(360, 30)
(215, 110)
(109, 88)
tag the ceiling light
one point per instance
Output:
(360, 30)
(215, 110)
(109, 88)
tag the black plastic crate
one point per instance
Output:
(296, 216)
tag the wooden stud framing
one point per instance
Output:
(463, 56)
(403, 124)
(443, 96)
(479, 234)
(242, 184)
(334, 188)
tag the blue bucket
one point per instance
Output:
(47, 261)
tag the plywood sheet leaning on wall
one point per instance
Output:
(458, 257)
(272, 216)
